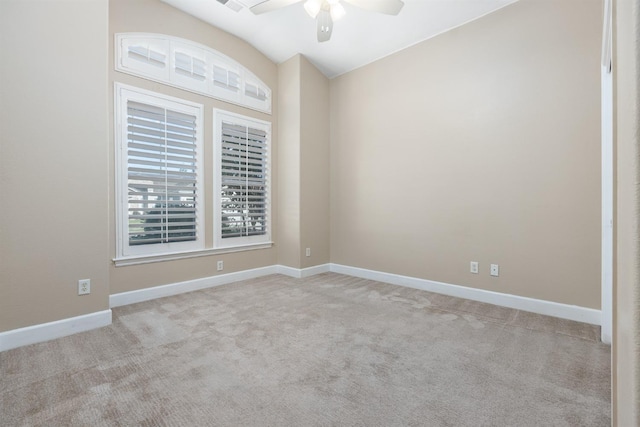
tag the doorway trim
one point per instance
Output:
(606, 331)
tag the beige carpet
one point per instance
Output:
(327, 350)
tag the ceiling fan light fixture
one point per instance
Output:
(313, 7)
(337, 11)
(326, 12)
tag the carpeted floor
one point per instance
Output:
(326, 350)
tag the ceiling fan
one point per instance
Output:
(326, 12)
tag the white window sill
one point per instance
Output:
(146, 259)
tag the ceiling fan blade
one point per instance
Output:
(389, 7)
(325, 25)
(269, 5)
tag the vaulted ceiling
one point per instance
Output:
(359, 38)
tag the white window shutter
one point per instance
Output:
(192, 66)
(255, 91)
(243, 181)
(226, 79)
(162, 175)
(159, 184)
(148, 55)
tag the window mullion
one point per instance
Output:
(246, 182)
(165, 203)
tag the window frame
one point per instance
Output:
(124, 94)
(219, 116)
(168, 47)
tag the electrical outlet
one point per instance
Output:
(84, 286)
(308, 252)
(495, 270)
(220, 265)
(473, 267)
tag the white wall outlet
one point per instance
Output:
(220, 265)
(308, 252)
(84, 286)
(495, 270)
(473, 267)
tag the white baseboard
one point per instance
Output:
(548, 308)
(305, 272)
(47, 331)
(61, 328)
(140, 295)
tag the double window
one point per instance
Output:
(161, 195)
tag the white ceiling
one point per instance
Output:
(359, 38)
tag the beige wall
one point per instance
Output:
(53, 160)
(156, 17)
(314, 165)
(481, 144)
(288, 243)
(626, 343)
(304, 164)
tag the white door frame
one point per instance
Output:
(606, 330)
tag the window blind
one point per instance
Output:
(190, 66)
(147, 55)
(161, 175)
(225, 78)
(255, 91)
(243, 181)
